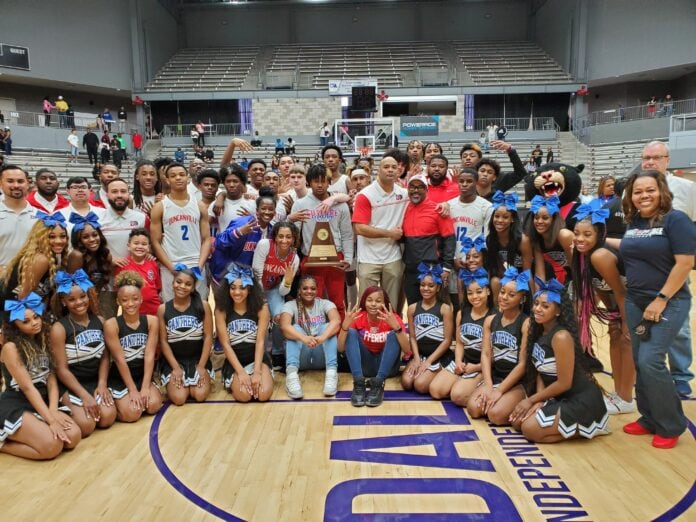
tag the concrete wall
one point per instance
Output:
(627, 131)
(387, 21)
(630, 36)
(551, 29)
(80, 42)
(54, 139)
(294, 117)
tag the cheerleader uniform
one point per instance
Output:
(84, 347)
(506, 346)
(133, 342)
(185, 337)
(242, 330)
(471, 335)
(600, 284)
(429, 330)
(582, 406)
(13, 403)
(555, 260)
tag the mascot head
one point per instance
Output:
(555, 179)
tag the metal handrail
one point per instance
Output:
(633, 113)
(80, 120)
(516, 124)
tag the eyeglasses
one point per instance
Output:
(654, 158)
(78, 187)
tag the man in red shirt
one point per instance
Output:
(137, 140)
(441, 189)
(427, 237)
(46, 197)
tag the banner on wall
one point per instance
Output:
(419, 126)
(344, 87)
(14, 56)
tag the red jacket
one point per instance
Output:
(62, 203)
(443, 192)
(137, 140)
(427, 237)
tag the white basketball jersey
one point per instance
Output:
(182, 232)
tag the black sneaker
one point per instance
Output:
(376, 394)
(278, 362)
(357, 398)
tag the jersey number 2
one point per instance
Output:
(184, 233)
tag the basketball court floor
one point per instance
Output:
(321, 459)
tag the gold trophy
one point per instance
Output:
(322, 251)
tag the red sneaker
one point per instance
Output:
(664, 442)
(633, 428)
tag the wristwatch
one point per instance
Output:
(662, 296)
(398, 330)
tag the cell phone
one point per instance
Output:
(642, 329)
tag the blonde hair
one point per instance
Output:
(129, 278)
(36, 244)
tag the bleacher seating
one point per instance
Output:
(57, 160)
(392, 63)
(616, 159)
(496, 62)
(214, 69)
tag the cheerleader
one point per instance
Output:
(568, 402)
(310, 325)
(551, 241)
(79, 355)
(241, 320)
(89, 250)
(431, 334)
(186, 339)
(463, 373)
(31, 425)
(598, 271)
(503, 353)
(507, 245)
(34, 267)
(132, 341)
(473, 258)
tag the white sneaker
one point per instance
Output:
(330, 382)
(293, 386)
(617, 406)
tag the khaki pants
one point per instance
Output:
(388, 276)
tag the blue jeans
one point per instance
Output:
(275, 305)
(658, 403)
(680, 354)
(303, 357)
(364, 363)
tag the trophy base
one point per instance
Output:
(322, 264)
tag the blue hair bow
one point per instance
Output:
(51, 220)
(240, 272)
(179, 267)
(479, 244)
(594, 210)
(521, 278)
(479, 276)
(433, 270)
(17, 308)
(80, 221)
(552, 204)
(509, 201)
(65, 281)
(552, 287)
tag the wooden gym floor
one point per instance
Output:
(321, 459)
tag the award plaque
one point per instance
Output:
(322, 251)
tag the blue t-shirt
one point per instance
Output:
(648, 252)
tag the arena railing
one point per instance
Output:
(636, 112)
(515, 124)
(211, 129)
(80, 121)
